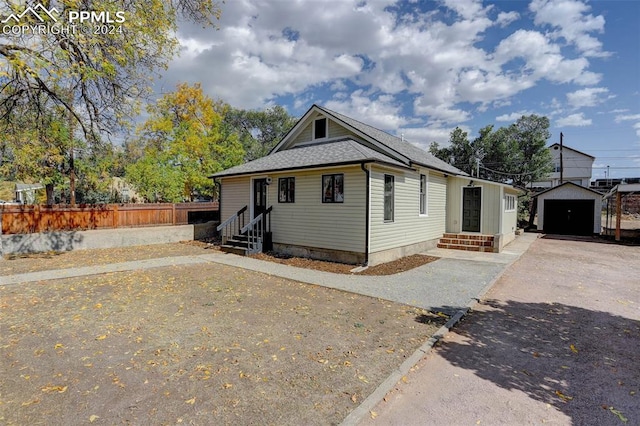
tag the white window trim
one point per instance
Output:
(393, 198)
(326, 128)
(506, 203)
(426, 194)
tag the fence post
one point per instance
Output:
(173, 214)
(115, 216)
(37, 225)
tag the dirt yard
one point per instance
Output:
(209, 344)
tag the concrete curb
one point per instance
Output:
(366, 406)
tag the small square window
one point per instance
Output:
(286, 190)
(333, 188)
(320, 128)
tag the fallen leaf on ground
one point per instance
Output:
(93, 418)
(618, 413)
(191, 401)
(59, 389)
(563, 396)
(573, 349)
(373, 414)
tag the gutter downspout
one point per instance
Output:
(367, 212)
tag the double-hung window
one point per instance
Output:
(333, 188)
(423, 194)
(286, 190)
(389, 182)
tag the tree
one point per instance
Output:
(259, 131)
(37, 153)
(527, 157)
(97, 78)
(515, 154)
(180, 145)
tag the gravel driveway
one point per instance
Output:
(554, 341)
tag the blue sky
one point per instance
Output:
(421, 68)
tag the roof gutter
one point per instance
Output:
(310, 167)
(367, 213)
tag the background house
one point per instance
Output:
(26, 192)
(576, 166)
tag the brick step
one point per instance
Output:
(468, 237)
(466, 247)
(457, 241)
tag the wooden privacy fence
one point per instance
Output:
(32, 219)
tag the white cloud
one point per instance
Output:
(588, 97)
(570, 20)
(506, 18)
(543, 59)
(514, 116)
(315, 51)
(629, 117)
(382, 112)
(574, 120)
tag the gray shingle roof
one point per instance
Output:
(404, 148)
(346, 151)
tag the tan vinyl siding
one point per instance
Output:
(492, 208)
(510, 219)
(408, 227)
(336, 131)
(492, 205)
(304, 136)
(311, 223)
(235, 195)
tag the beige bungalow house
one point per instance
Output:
(336, 188)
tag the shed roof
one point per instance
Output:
(568, 184)
(624, 188)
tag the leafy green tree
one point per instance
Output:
(515, 154)
(525, 144)
(180, 145)
(37, 152)
(259, 131)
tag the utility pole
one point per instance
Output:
(561, 165)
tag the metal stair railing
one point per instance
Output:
(233, 225)
(256, 230)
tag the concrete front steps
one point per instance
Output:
(468, 242)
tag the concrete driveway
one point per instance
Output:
(556, 340)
